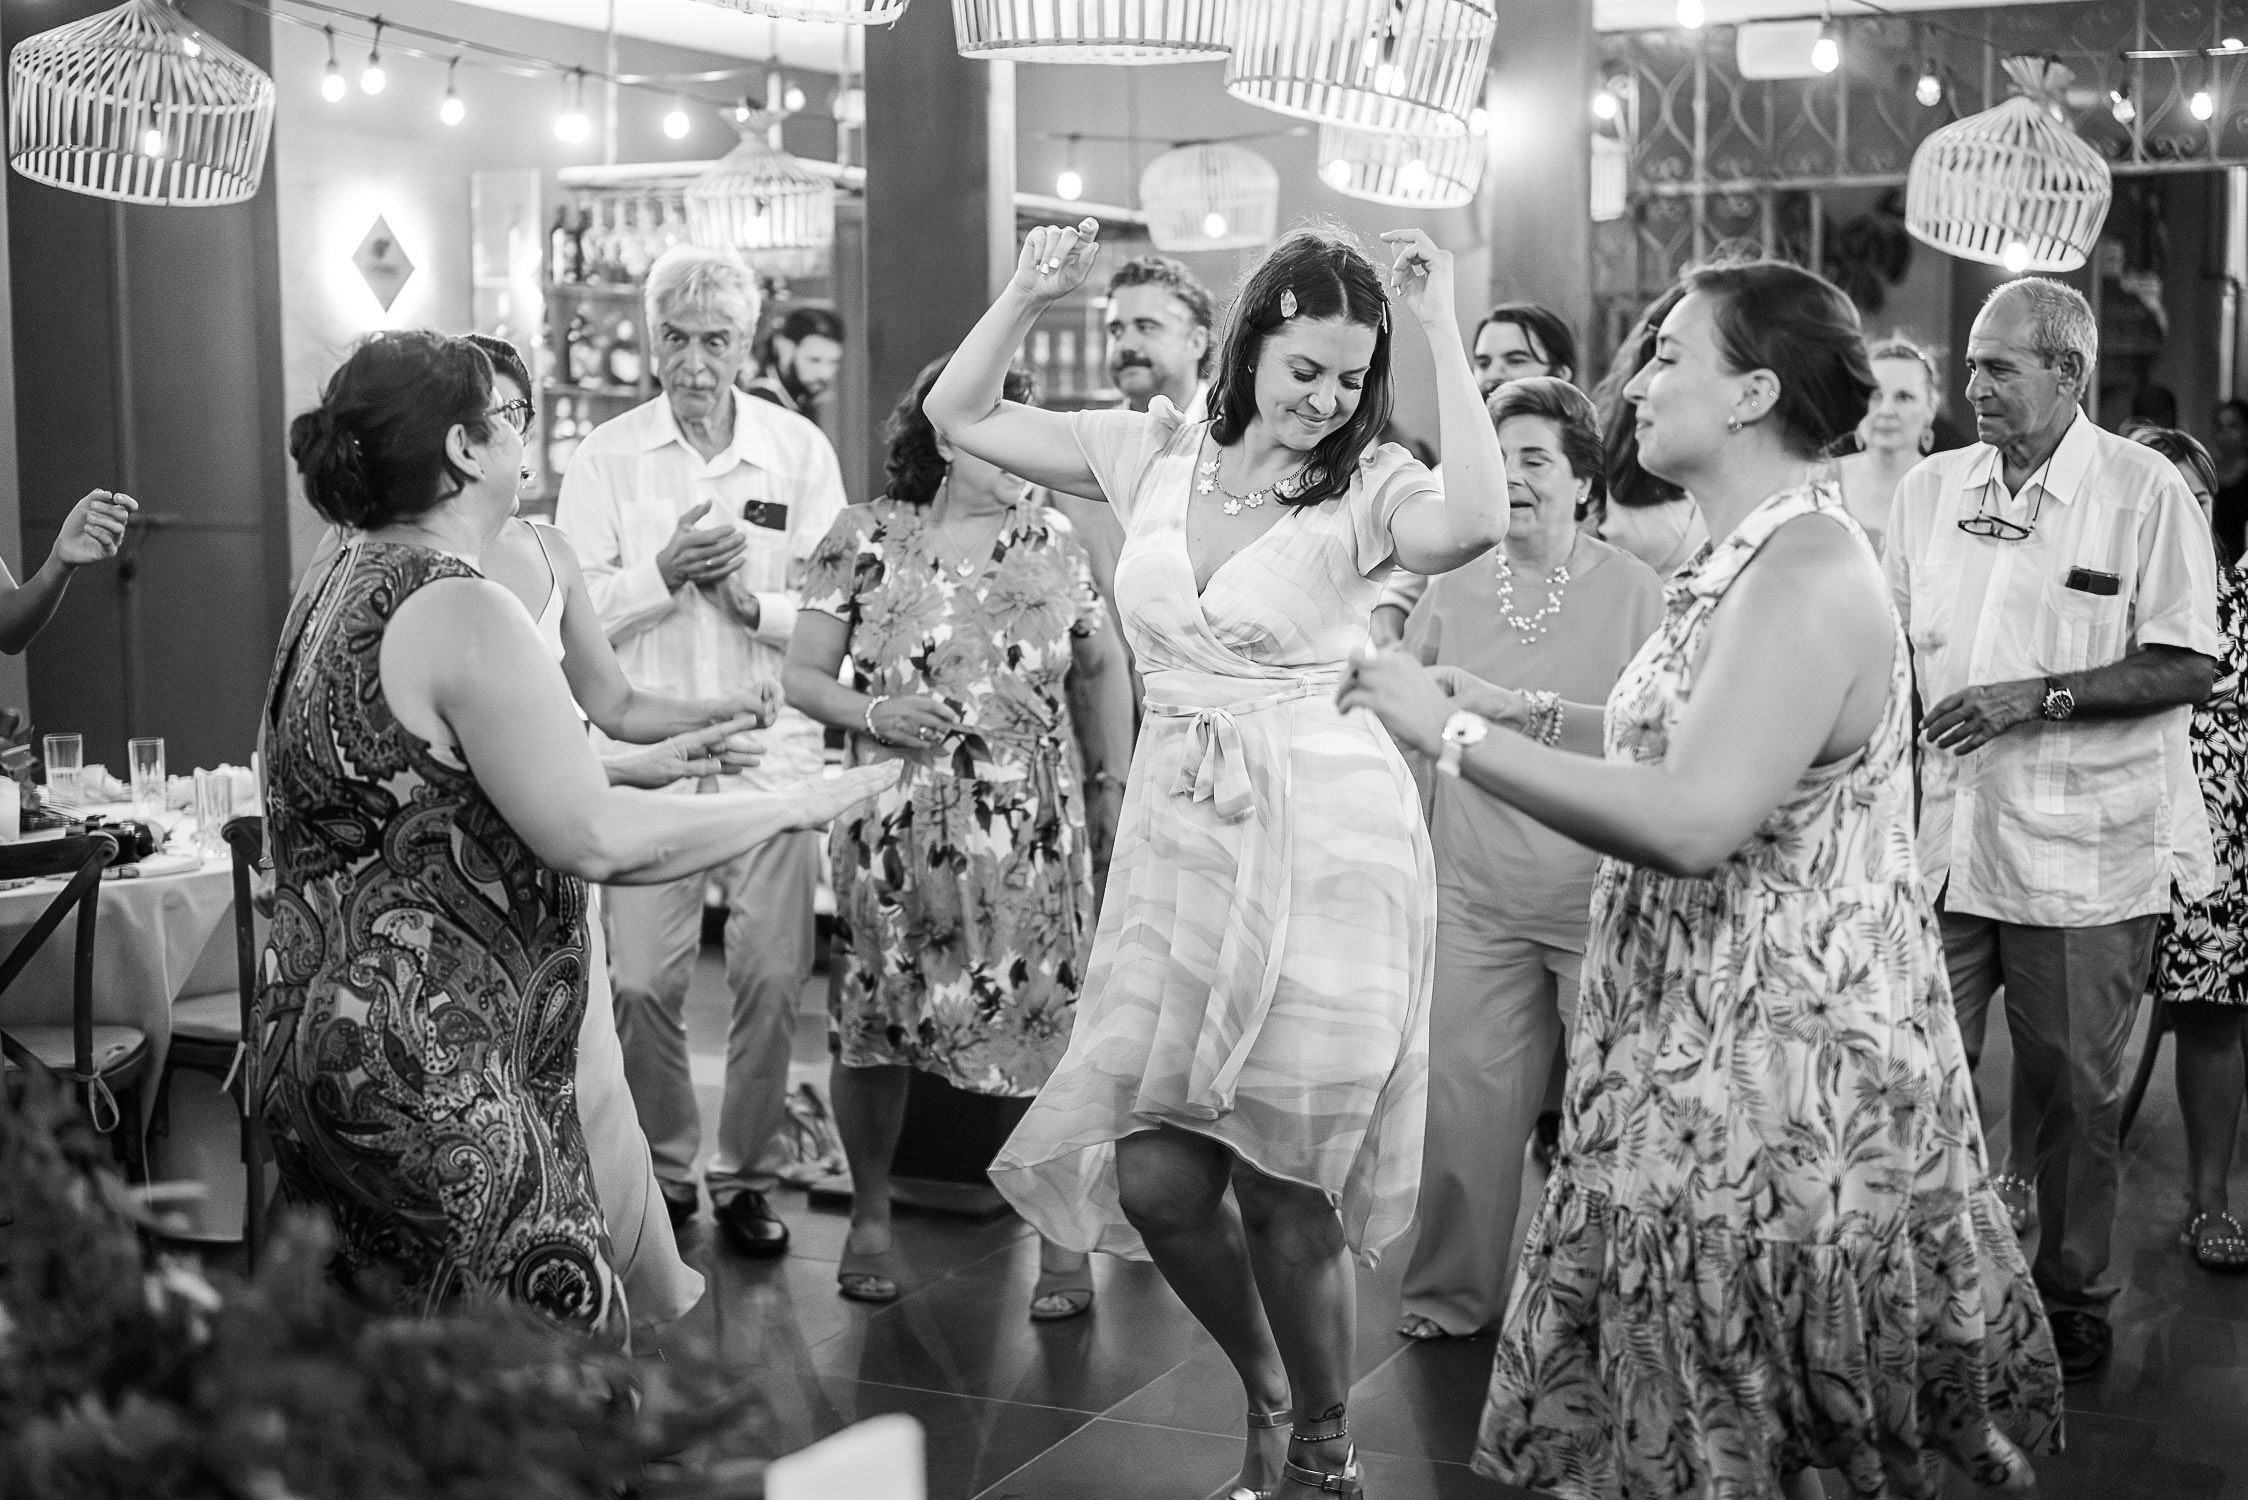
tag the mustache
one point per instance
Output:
(1130, 361)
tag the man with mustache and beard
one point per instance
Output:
(804, 355)
(1158, 322)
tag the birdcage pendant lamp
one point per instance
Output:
(1092, 31)
(764, 203)
(137, 105)
(2013, 186)
(1413, 67)
(1410, 171)
(835, 12)
(1212, 195)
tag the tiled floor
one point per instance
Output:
(1133, 1403)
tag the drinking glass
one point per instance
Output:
(147, 760)
(65, 754)
(214, 804)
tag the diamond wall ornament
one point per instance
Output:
(383, 263)
(138, 105)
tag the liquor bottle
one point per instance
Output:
(585, 356)
(625, 363)
(577, 247)
(558, 248)
(634, 254)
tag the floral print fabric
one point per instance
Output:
(964, 894)
(424, 981)
(1768, 1241)
(2203, 953)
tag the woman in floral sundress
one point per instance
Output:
(964, 896)
(1768, 1245)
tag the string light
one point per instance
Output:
(2231, 44)
(1826, 52)
(573, 127)
(675, 122)
(452, 111)
(332, 87)
(2120, 106)
(1071, 183)
(1691, 14)
(2201, 106)
(1930, 89)
(374, 80)
(793, 100)
(1604, 105)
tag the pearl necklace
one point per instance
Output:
(1531, 627)
(1287, 488)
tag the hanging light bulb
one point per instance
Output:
(573, 127)
(1930, 89)
(1826, 52)
(452, 111)
(1071, 183)
(2015, 257)
(373, 80)
(793, 100)
(1604, 105)
(1691, 14)
(742, 112)
(332, 86)
(2120, 106)
(1214, 225)
(1337, 173)
(192, 47)
(2201, 106)
(1479, 121)
(152, 142)
(1413, 176)
(675, 122)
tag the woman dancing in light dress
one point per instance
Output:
(1256, 1010)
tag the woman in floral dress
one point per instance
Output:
(2201, 961)
(965, 896)
(1768, 1244)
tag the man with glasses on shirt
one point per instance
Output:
(2058, 587)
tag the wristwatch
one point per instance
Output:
(1461, 731)
(2059, 701)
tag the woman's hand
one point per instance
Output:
(1421, 277)
(714, 751)
(916, 722)
(761, 703)
(94, 529)
(1402, 694)
(1486, 700)
(1055, 262)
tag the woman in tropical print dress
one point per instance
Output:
(1769, 1244)
(965, 894)
(2201, 960)
(434, 812)
(1242, 1097)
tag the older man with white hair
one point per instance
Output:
(693, 516)
(2059, 591)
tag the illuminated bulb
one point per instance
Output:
(1337, 173)
(1389, 78)
(1413, 176)
(374, 80)
(1069, 185)
(1603, 105)
(2016, 257)
(676, 124)
(332, 86)
(793, 100)
(192, 47)
(2120, 106)
(452, 111)
(1213, 226)
(1929, 91)
(572, 128)
(2230, 44)
(741, 113)
(1479, 121)
(1826, 54)
(2201, 106)
(152, 142)
(1691, 14)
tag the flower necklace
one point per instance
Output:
(1531, 627)
(1287, 488)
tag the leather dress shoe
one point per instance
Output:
(680, 1202)
(751, 1226)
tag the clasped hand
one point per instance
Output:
(1971, 719)
(913, 721)
(714, 750)
(697, 554)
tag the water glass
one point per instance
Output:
(214, 804)
(65, 753)
(147, 761)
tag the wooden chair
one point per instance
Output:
(104, 1062)
(210, 1032)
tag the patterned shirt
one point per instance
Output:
(777, 483)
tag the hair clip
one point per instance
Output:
(1287, 302)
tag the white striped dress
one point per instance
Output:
(1262, 969)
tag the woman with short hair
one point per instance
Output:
(433, 812)
(1769, 1243)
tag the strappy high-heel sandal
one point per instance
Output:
(1345, 1481)
(1261, 1421)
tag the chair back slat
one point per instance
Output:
(82, 858)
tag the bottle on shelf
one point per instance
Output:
(584, 354)
(563, 435)
(558, 241)
(625, 361)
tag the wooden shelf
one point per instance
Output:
(611, 392)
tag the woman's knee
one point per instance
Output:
(1296, 1221)
(2207, 1026)
(1166, 1187)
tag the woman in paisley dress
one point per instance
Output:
(2201, 959)
(967, 612)
(1769, 1244)
(1255, 1017)
(434, 812)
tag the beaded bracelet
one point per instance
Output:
(1544, 723)
(871, 705)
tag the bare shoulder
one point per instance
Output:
(1813, 578)
(558, 550)
(461, 615)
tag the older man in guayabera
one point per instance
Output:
(2058, 589)
(694, 515)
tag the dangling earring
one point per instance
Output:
(1927, 440)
